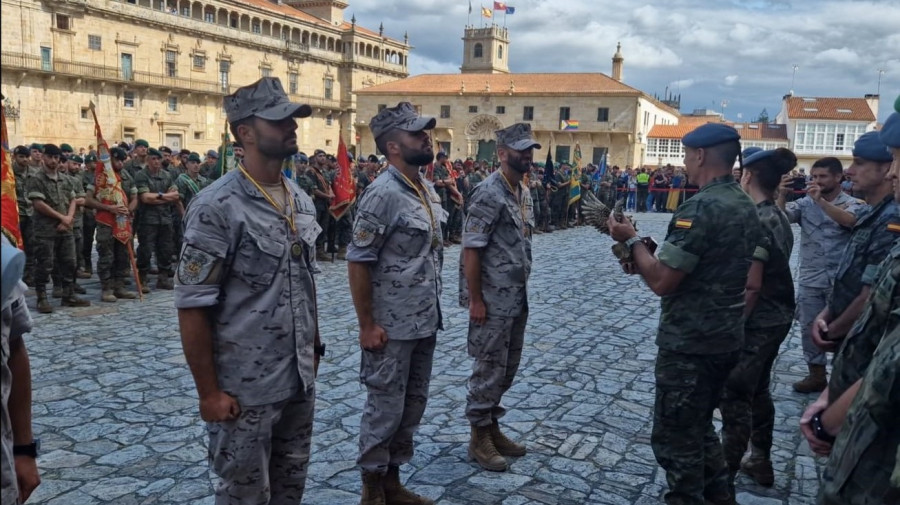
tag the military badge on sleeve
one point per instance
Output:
(196, 267)
(365, 231)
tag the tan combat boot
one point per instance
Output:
(43, 304)
(106, 293)
(396, 494)
(120, 292)
(372, 492)
(78, 289)
(58, 291)
(759, 467)
(164, 281)
(70, 300)
(504, 445)
(482, 450)
(321, 255)
(815, 382)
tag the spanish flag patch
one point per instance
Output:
(893, 227)
(687, 223)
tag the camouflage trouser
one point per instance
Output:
(324, 220)
(53, 251)
(748, 413)
(397, 378)
(496, 346)
(263, 456)
(87, 242)
(684, 441)
(343, 228)
(811, 301)
(112, 256)
(155, 238)
(27, 231)
(78, 234)
(455, 220)
(177, 233)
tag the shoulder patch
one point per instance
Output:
(684, 224)
(195, 266)
(365, 231)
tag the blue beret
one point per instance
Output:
(750, 151)
(870, 147)
(756, 156)
(710, 134)
(890, 132)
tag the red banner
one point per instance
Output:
(108, 189)
(9, 207)
(344, 187)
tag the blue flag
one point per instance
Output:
(510, 10)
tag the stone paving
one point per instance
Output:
(116, 409)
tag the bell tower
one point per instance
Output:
(485, 50)
(617, 63)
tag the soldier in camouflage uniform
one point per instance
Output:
(138, 160)
(441, 177)
(208, 167)
(246, 303)
(113, 261)
(189, 184)
(73, 170)
(157, 194)
(22, 171)
(322, 197)
(700, 272)
(826, 216)
(53, 198)
(748, 413)
(537, 198)
(494, 267)
(86, 269)
(395, 280)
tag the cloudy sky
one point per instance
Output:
(739, 51)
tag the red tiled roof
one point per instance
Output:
(289, 11)
(761, 131)
(851, 109)
(501, 84)
(671, 131)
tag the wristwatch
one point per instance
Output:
(630, 242)
(319, 350)
(159, 196)
(819, 429)
(30, 450)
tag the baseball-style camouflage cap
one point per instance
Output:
(517, 136)
(402, 117)
(264, 99)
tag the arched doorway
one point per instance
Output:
(480, 137)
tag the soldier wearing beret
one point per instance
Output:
(22, 170)
(37, 156)
(863, 466)
(191, 182)
(395, 280)
(700, 272)
(157, 195)
(246, 303)
(138, 159)
(90, 221)
(73, 171)
(494, 265)
(111, 204)
(53, 197)
(209, 166)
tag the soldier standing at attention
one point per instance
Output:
(156, 193)
(700, 273)
(748, 413)
(72, 168)
(395, 279)
(494, 266)
(246, 301)
(322, 197)
(24, 171)
(138, 159)
(826, 216)
(53, 198)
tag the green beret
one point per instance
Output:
(194, 157)
(66, 148)
(154, 152)
(142, 143)
(76, 159)
(117, 153)
(37, 146)
(90, 158)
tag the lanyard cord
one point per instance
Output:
(268, 197)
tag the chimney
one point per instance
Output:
(617, 62)
(872, 101)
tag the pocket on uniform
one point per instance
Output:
(234, 447)
(257, 260)
(415, 232)
(857, 442)
(378, 370)
(676, 388)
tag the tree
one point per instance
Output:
(763, 117)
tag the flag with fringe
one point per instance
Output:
(226, 162)
(344, 187)
(9, 206)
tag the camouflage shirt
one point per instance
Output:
(879, 315)
(775, 305)
(239, 262)
(712, 238)
(305, 183)
(16, 321)
(441, 173)
(58, 193)
(188, 188)
(396, 237)
(865, 453)
(872, 238)
(822, 240)
(498, 225)
(78, 187)
(22, 174)
(133, 166)
(160, 182)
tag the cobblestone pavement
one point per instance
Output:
(116, 409)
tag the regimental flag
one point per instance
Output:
(226, 162)
(486, 13)
(108, 188)
(9, 206)
(344, 187)
(548, 169)
(499, 6)
(568, 125)
(510, 10)
(575, 180)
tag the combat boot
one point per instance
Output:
(759, 467)
(119, 291)
(58, 291)
(164, 281)
(815, 382)
(70, 300)
(372, 491)
(83, 274)
(43, 304)
(145, 288)
(482, 450)
(504, 445)
(321, 255)
(106, 292)
(396, 494)
(78, 289)
(342, 253)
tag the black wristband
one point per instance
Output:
(319, 350)
(30, 450)
(819, 428)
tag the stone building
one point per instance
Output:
(158, 69)
(664, 145)
(600, 114)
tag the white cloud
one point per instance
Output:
(730, 80)
(842, 56)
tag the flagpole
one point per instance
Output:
(504, 18)
(469, 20)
